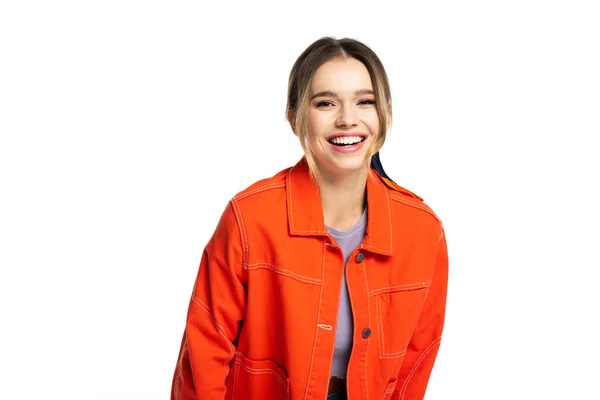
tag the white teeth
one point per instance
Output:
(346, 140)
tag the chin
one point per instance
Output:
(347, 166)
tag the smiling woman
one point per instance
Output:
(341, 123)
(337, 291)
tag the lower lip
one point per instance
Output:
(348, 149)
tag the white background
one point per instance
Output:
(126, 126)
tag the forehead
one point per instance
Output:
(341, 75)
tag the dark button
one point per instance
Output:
(366, 333)
(360, 257)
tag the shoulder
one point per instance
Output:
(262, 199)
(254, 202)
(261, 188)
(412, 215)
(407, 200)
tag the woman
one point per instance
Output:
(327, 280)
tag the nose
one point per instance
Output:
(347, 117)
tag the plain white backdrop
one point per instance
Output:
(126, 126)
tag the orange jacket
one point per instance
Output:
(261, 320)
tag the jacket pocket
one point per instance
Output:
(390, 389)
(398, 310)
(253, 379)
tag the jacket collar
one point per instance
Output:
(305, 212)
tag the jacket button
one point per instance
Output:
(366, 333)
(360, 257)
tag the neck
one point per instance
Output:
(343, 198)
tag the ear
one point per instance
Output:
(291, 117)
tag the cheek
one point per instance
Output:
(372, 121)
(316, 124)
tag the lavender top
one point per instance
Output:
(348, 241)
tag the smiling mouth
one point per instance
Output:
(344, 141)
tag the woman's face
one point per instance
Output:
(342, 116)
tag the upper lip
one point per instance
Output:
(346, 134)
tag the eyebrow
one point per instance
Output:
(329, 93)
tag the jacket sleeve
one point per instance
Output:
(424, 344)
(215, 314)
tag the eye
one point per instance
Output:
(366, 102)
(324, 104)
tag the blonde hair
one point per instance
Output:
(303, 71)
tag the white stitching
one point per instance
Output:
(371, 246)
(219, 329)
(242, 227)
(414, 368)
(235, 378)
(289, 187)
(382, 353)
(293, 228)
(391, 388)
(380, 328)
(326, 327)
(263, 188)
(258, 371)
(387, 197)
(394, 355)
(376, 249)
(400, 288)
(283, 380)
(312, 360)
(282, 271)
(419, 206)
(369, 313)
(389, 392)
